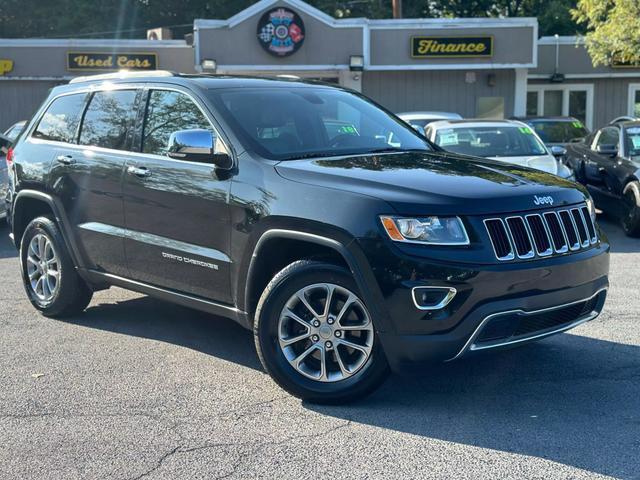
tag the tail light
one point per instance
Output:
(9, 157)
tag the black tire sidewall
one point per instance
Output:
(631, 218)
(69, 288)
(286, 284)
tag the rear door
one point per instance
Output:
(177, 218)
(87, 175)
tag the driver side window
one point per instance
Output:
(168, 112)
(608, 136)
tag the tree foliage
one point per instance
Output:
(130, 18)
(613, 29)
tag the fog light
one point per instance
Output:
(432, 298)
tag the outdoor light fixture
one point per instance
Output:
(356, 63)
(209, 65)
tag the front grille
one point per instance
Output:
(518, 325)
(538, 235)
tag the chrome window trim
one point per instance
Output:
(469, 345)
(511, 255)
(443, 303)
(532, 252)
(549, 251)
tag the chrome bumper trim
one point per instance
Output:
(470, 346)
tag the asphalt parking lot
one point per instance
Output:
(137, 388)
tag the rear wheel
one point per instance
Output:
(49, 275)
(631, 214)
(315, 336)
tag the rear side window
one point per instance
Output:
(60, 121)
(168, 112)
(108, 119)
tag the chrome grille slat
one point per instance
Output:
(543, 234)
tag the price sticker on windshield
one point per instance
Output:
(577, 124)
(448, 137)
(636, 142)
(526, 130)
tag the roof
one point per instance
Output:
(206, 81)
(427, 115)
(543, 118)
(474, 123)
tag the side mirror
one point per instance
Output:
(198, 146)
(607, 149)
(558, 151)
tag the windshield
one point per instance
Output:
(632, 140)
(499, 141)
(284, 124)
(559, 131)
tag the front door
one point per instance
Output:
(176, 212)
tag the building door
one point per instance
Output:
(562, 100)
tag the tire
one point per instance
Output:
(356, 373)
(59, 294)
(631, 214)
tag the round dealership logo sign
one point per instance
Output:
(281, 32)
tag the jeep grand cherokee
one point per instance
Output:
(347, 242)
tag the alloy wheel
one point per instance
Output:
(43, 268)
(325, 332)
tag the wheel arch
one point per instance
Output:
(30, 204)
(298, 245)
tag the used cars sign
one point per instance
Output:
(444, 47)
(111, 61)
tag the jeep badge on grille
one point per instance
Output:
(548, 200)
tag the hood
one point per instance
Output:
(546, 163)
(425, 183)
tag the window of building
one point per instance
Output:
(490, 107)
(168, 112)
(60, 121)
(108, 119)
(575, 100)
(634, 100)
(532, 103)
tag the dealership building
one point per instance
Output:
(480, 68)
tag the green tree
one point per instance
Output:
(613, 29)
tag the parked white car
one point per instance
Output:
(504, 140)
(419, 120)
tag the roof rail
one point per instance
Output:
(122, 74)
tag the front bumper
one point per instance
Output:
(530, 299)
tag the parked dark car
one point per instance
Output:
(607, 162)
(347, 250)
(14, 130)
(556, 131)
(5, 144)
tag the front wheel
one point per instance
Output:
(315, 336)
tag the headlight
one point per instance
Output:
(426, 230)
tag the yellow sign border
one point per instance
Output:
(422, 57)
(154, 54)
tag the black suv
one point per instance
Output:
(346, 241)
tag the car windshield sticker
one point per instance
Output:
(633, 130)
(526, 130)
(448, 137)
(577, 124)
(636, 141)
(348, 130)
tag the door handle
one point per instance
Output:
(139, 171)
(65, 159)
